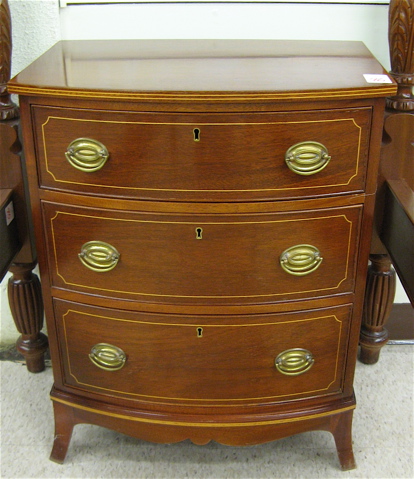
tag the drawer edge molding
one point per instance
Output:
(206, 424)
(373, 92)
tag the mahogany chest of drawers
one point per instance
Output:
(203, 213)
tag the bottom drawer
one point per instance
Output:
(211, 360)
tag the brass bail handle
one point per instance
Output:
(99, 256)
(294, 362)
(307, 158)
(107, 357)
(300, 260)
(87, 155)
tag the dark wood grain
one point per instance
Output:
(248, 431)
(379, 297)
(164, 262)
(195, 70)
(168, 361)
(168, 283)
(154, 156)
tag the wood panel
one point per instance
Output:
(230, 361)
(232, 158)
(237, 259)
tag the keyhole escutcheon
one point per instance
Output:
(197, 134)
(199, 233)
(199, 332)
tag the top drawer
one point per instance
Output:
(203, 157)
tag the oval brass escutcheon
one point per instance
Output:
(99, 256)
(107, 357)
(86, 154)
(293, 362)
(307, 158)
(300, 260)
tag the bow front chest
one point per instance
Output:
(203, 213)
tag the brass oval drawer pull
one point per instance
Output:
(307, 158)
(99, 256)
(293, 362)
(301, 259)
(86, 154)
(107, 357)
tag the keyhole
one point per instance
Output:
(196, 132)
(199, 233)
(199, 332)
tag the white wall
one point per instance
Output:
(38, 24)
(35, 28)
(367, 23)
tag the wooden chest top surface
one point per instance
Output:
(209, 69)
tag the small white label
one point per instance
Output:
(377, 78)
(9, 213)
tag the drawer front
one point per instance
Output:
(220, 259)
(203, 157)
(203, 360)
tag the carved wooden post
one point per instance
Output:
(401, 42)
(25, 299)
(379, 296)
(24, 287)
(8, 109)
(381, 280)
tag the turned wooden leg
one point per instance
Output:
(64, 423)
(26, 305)
(379, 297)
(341, 428)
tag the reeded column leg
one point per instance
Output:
(64, 423)
(379, 297)
(341, 428)
(26, 305)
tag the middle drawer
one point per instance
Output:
(219, 259)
